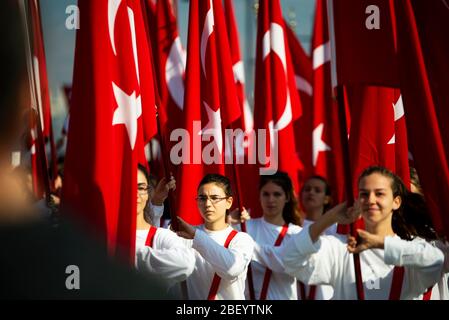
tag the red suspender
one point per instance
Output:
(150, 237)
(312, 291)
(396, 283)
(266, 279)
(216, 280)
(427, 294)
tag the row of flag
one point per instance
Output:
(371, 92)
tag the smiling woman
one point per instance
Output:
(222, 254)
(391, 268)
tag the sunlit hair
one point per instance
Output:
(290, 213)
(221, 181)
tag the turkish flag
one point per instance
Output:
(169, 64)
(377, 136)
(106, 134)
(327, 145)
(302, 64)
(277, 103)
(210, 102)
(364, 45)
(241, 172)
(423, 49)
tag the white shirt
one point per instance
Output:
(281, 286)
(440, 290)
(212, 257)
(157, 213)
(169, 258)
(327, 261)
(322, 292)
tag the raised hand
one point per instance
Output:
(365, 241)
(185, 230)
(235, 217)
(162, 189)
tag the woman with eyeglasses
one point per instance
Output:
(280, 220)
(221, 253)
(158, 251)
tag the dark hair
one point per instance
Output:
(399, 225)
(147, 211)
(219, 180)
(414, 179)
(327, 190)
(290, 213)
(417, 216)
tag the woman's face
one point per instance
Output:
(213, 202)
(142, 192)
(272, 199)
(376, 199)
(313, 195)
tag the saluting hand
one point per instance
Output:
(185, 230)
(236, 217)
(366, 241)
(162, 189)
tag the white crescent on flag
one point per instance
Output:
(129, 106)
(208, 28)
(273, 40)
(174, 72)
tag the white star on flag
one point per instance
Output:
(128, 111)
(318, 143)
(398, 108)
(213, 127)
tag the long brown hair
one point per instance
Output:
(290, 213)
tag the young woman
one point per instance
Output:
(158, 251)
(222, 254)
(316, 200)
(391, 268)
(280, 221)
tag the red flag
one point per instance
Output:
(247, 121)
(242, 172)
(302, 64)
(277, 103)
(170, 57)
(210, 101)
(105, 122)
(327, 146)
(144, 69)
(364, 46)
(377, 137)
(42, 92)
(423, 49)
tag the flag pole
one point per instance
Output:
(252, 295)
(171, 195)
(35, 110)
(344, 143)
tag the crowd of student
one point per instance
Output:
(282, 257)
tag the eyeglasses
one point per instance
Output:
(213, 199)
(143, 190)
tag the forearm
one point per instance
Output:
(319, 226)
